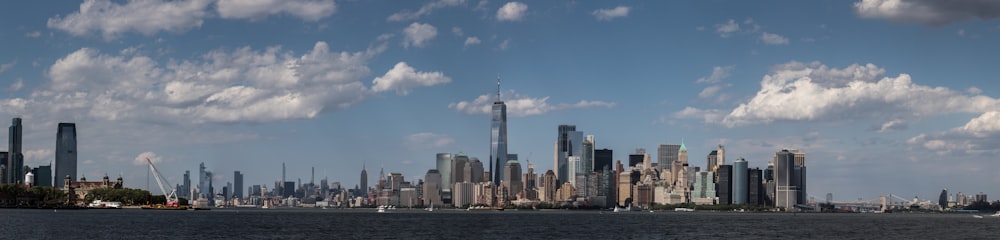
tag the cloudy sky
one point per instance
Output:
(884, 96)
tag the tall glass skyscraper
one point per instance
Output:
(498, 137)
(65, 153)
(15, 160)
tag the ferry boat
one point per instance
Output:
(104, 204)
(385, 208)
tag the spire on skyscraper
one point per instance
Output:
(498, 87)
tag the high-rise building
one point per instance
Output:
(512, 178)
(786, 193)
(4, 161)
(603, 158)
(636, 159)
(43, 176)
(725, 184)
(549, 186)
(587, 154)
(432, 188)
(444, 168)
(666, 155)
(204, 182)
(755, 193)
(740, 186)
(237, 185)
(498, 137)
(712, 161)
(364, 181)
(458, 168)
(65, 152)
(15, 159)
(474, 171)
(569, 143)
(185, 189)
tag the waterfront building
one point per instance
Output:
(42, 176)
(80, 189)
(15, 158)
(755, 187)
(550, 185)
(65, 152)
(704, 188)
(725, 184)
(786, 192)
(740, 186)
(530, 183)
(498, 137)
(463, 194)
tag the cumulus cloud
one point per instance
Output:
(521, 106)
(418, 34)
(611, 13)
(427, 140)
(773, 39)
(141, 158)
(7, 66)
(402, 77)
(814, 92)
(472, 41)
(512, 11)
(426, 9)
(243, 85)
(981, 135)
(147, 17)
(728, 28)
(112, 19)
(928, 12)
(309, 10)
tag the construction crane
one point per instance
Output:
(172, 195)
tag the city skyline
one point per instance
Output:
(885, 98)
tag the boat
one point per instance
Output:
(997, 214)
(385, 208)
(977, 216)
(683, 209)
(104, 204)
(431, 209)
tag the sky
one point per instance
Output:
(883, 96)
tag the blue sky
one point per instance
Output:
(884, 96)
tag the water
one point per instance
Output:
(454, 224)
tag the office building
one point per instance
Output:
(15, 158)
(42, 176)
(666, 155)
(587, 155)
(204, 183)
(444, 168)
(473, 171)
(65, 152)
(755, 187)
(364, 181)
(549, 186)
(603, 158)
(237, 185)
(498, 137)
(432, 188)
(786, 193)
(512, 179)
(458, 168)
(569, 143)
(725, 184)
(740, 186)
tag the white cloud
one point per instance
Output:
(402, 77)
(17, 85)
(39, 156)
(243, 85)
(427, 140)
(308, 10)
(718, 74)
(981, 135)
(520, 106)
(893, 125)
(813, 92)
(711, 91)
(512, 11)
(931, 13)
(728, 28)
(773, 39)
(33, 34)
(611, 13)
(7, 66)
(974, 91)
(707, 115)
(418, 34)
(505, 44)
(147, 17)
(457, 31)
(141, 159)
(472, 41)
(426, 9)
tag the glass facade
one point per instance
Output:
(65, 153)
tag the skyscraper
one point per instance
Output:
(569, 143)
(444, 168)
(587, 154)
(15, 159)
(512, 179)
(458, 168)
(237, 185)
(603, 158)
(204, 183)
(364, 181)
(498, 137)
(666, 154)
(65, 152)
(786, 193)
(186, 188)
(740, 186)
(432, 188)
(725, 184)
